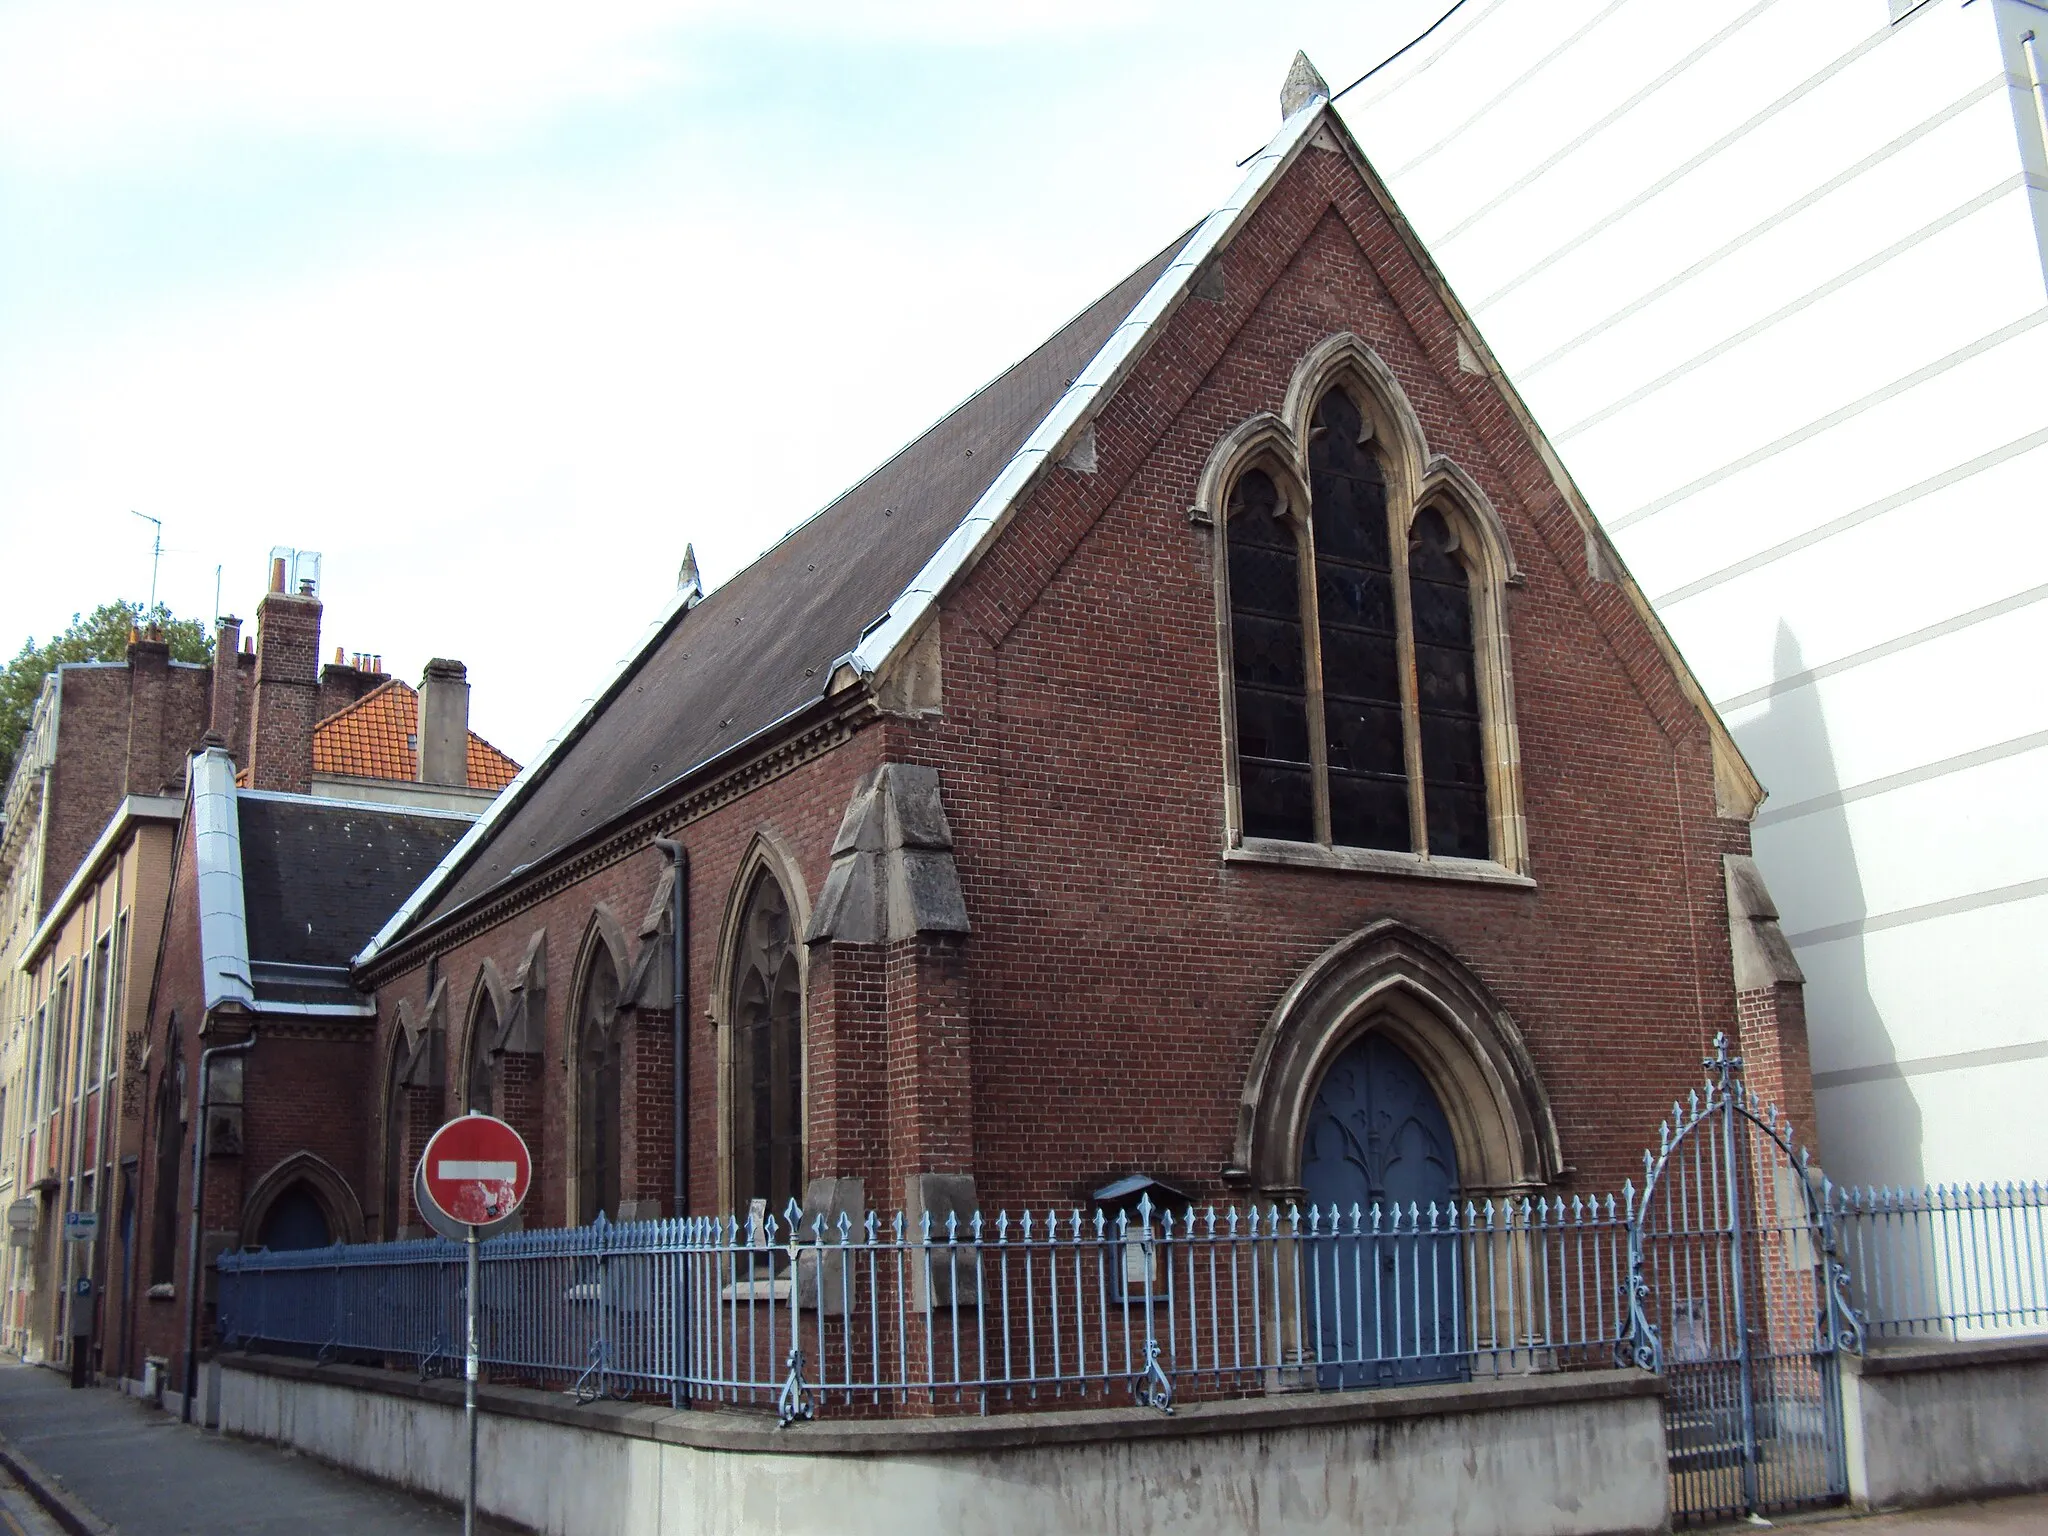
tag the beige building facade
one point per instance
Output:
(82, 979)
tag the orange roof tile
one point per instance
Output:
(374, 738)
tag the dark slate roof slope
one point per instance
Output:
(760, 647)
(319, 877)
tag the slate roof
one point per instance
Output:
(856, 581)
(318, 879)
(761, 646)
(375, 738)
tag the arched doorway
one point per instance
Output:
(1379, 1167)
(296, 1219)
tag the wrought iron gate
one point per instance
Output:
(1737, 1295)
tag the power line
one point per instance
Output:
(1456, 6)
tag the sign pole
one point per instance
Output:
(469, 1181)
(469, 1395)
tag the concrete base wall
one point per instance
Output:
(1933, 1423)
(1553, 1457)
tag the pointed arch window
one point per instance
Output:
(766, 1106)
(599, 1097)
(480, 1072)
(1358, 652)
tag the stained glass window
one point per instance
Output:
(1356, 706)
(1269, 664)
(1447, 691)
(1356, 622)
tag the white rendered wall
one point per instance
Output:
(1770, 274)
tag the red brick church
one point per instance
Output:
(1228, 725)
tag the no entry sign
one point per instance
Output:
(475, 1171)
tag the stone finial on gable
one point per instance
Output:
(1303, 85)
(688, 583)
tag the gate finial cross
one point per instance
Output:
(1722, 1065)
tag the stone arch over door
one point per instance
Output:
(312, 1175)
(1391, 977)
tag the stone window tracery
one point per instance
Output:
(1358, 651)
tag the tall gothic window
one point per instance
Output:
(480, 1074)
(397, 1192)
(767, 1054)
(1352, 656)
(600, 1144)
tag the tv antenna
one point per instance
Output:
(156, 554)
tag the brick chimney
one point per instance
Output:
(227, 680)
(444, 723)
(151, 761)
(287, 687)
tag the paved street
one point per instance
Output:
(1999, 1517)
(146, 1474)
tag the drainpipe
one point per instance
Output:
(199, 1212)
(679, 920)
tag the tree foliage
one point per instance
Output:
(101, 635)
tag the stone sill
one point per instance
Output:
(715, 1430)
(1906, 1357)
(1373, 861)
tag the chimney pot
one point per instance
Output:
(337, 656)
(277, 574)
(444, 723)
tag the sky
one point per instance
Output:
(499, 307)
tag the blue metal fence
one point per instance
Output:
(806, 1314)
(984, 1312)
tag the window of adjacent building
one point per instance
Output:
(35, 1057)
(767, 1054)
(102, 1001)
(1353, 657)
(60, 1040)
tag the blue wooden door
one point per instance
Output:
(1382, 1305)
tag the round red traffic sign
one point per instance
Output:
(476, 1170)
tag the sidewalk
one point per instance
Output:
(146, 1474)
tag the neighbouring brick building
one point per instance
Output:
(1227, 728)
(83, 954)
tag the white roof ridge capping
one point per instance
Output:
(976, 532)
(1074, 410)
(216, 831)
(513, 794)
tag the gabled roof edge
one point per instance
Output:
(966, 544)
(217, 858)
(1737, 790)
(1091, 389)
(523, 784)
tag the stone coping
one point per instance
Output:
(719, 1430)
(1905, 1357)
